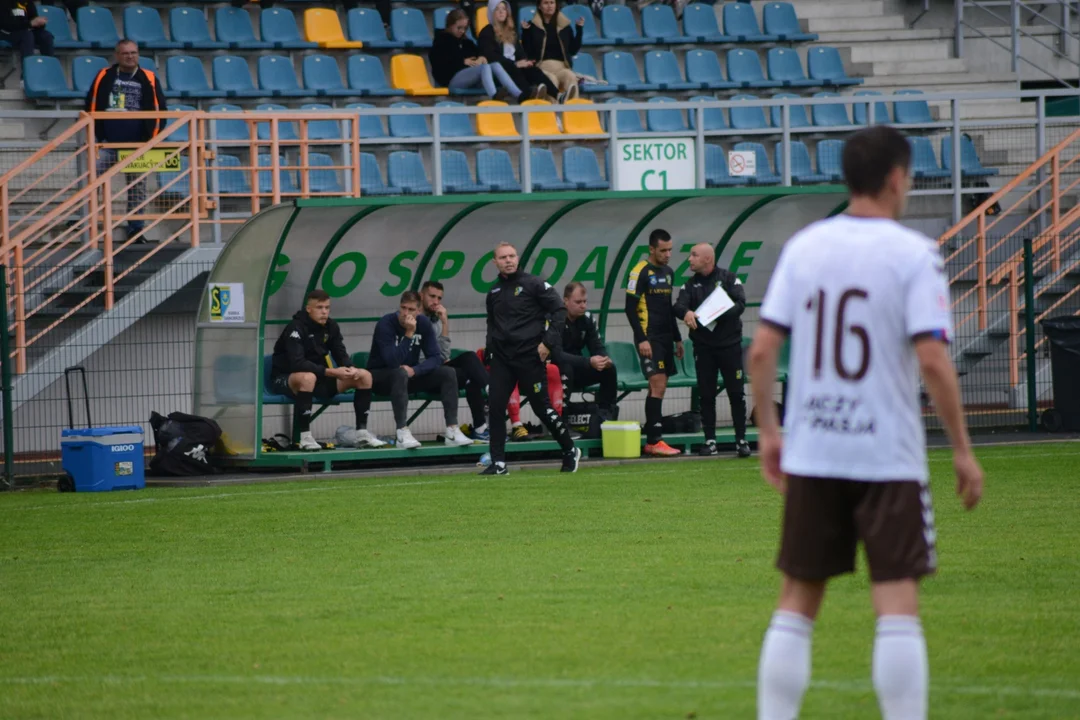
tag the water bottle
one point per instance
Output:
(484, 461)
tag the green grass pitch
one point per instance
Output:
(632, 591)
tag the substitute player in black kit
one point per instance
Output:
(519, 306)
(717, 350)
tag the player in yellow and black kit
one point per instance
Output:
(656, 334)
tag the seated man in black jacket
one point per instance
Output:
(578, 371)
(718, 349)
(21, 26)
(304, 363)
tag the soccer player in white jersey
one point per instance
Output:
(866, 304)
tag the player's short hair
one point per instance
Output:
(870, 155)
(410, 296)
(658, 236)
(316, 296)
(432, 284)
(571, 288)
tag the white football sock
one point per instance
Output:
(900, 670)
(784, 670)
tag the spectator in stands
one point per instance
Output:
(578, 371)
(397, 370)
(302, 369)
(126, 87)
(500, 45)
(551, 43)
(21, 26)
(456, 62)
(472, 377)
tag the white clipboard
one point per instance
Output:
(714, 306)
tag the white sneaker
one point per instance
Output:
(365, 439)
(307, 442)
(406, 441)
(456, 438)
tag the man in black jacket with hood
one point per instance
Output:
(21, 26)
(310, 361)
(581, 333)
(525, 318)
(716, 350)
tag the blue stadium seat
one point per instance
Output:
(287, 130)
(741, 23)
(185, 78)
(699, 22)
(371, 179)
(278, 78)
(581, 169)
(716, 168)
(662, 69)
(829, 156)
(584, 64)
(970, 164)
(95, 26)
(798, 117)
(544, 174)
(750, 117)
(785, 66)
(911, 112)
(371, 126)
(228, 129)
(367, 77)
(322, 75)
(802, 171)
(366, 26)
(765, 174)
(829, 115)
(56, 22)
(780, 20)
(456, 173)
(408, 26)
(703, 69)
(180, 187)
(827, 67)
(621, 73)
(861, 111)
(408, 126)
(184, 133)
(232, 75)
(43, 77)
(233, 27)
(658, 24)
(664, 120)
(278, 27)
(228, 178)
(589, 33)
(286, 178)
(714, 117)
(924, 164)
(84, 70)
(147, 63)
(627, 121)
(744, 68)
(451, 126)
(326, 180)
(143, 25)
(322, 129)
(406, 172)
(188, 27)
(618, 27)
(495, 171)
(525, 13)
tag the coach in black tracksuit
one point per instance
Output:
(719, 350)
(578, 371)
(519, 306)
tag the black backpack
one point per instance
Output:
(185, 444)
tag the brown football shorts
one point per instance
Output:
(825, 519)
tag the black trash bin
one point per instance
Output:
(1063, 332)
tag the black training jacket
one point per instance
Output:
(580, 334)
(307, 346)
(518, 309)
(728, 329)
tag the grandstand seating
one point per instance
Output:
(621, 72)
(322, 129)
(278, 27)
(970, 164)
(371, 126)
(581, 168)
(406, 172)
(44, 78)
(371, 179)
(750, 117)
(829, 115)
(495, 125)
(229, 129)
(233, 27)
(802, 171)
(796, 115)
(924, 163)
(322, 75)
(495, 171)
(541, 123)
(699, 22)
(829, 153)
(233, 77)
(456, 175)
(84, 70)
(366, 26)
(229, 178)
(322, 26)
(765, 174)
(618, 26)
(664, 120)
(703, 70)
(286, 130)
(744, 69)
(185, 78)
(407, 25)
(658, 24)
(325, 180)
(286, 178)
(584, 64)
(545, 177)
(713, 117)
(589, 33)
(410, 73)
(408, 126)
(826, 67)
(741, 24)
(278, 78)
(366, 77)
(189, 28)
(662, 70)
(626, 121)
(585, 122)
(57, 23)
(785, 67)
(860, 111)
(451, 126)
(780, 20)
(716, 168)
(913, 112)
(143, 26)
(96, 27)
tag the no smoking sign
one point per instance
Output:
(742, 163)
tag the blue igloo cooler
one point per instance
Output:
(103, 458)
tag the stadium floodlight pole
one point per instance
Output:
(5, 378)
(1029, 340)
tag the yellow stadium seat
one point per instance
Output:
(542, 123)
(410, 73)
(481, 19)
(495, 124)
(581, 123)
(323, 27)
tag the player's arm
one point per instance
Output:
(294, 350)
(737, 292)
(490, 308)
(761, 361)
(552, 305)
(336, 345)
(592, 338)
(635, 287)
(393, 353)
(432, 354)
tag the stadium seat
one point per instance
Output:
(286, 178)
(703, 70)
(185, 78)
(451, 126)
(481, 19)
(366, 77)
(228, 129)
(322, 27)
(406, 172)
(188, 27)
(324, 180)
(371, 179)
(750, 117)
(829, 115)
(96, 27)
(699, 23)
(371, 126)
(581, 169)
(827, 68)
(408, 126)
(780, 20)
(784, 65)
(278, 27)
(741, 24)
(457, 176)
(744, 68)
(147, 63)
(544, 174)
(233, 27)
(43, 77)
(617, 25)
(143, 26)
(278, 78)
(829, 155)
(924, 164)
(802, 171)
(658, 25)
(583, 64)
(714, 117)
(438, 20)
(322, 129)
(410, 73)
(970, 164)
(495, 124)
(765, 174)
(322, 75)
(913, 111)
(495, 172)
(183, 134)
(84, 70)
(525, 13)
(232, 75)
(541, 123)
(589, 33)
(180, 187)
(56, 22)
(662, 69)
(716, 168)
(584, 122)
(621, 73)
(227, 176)
(797, 118)
(366, 26)
(287, 130)
(626, 121)
(664, 120)
(861, 111)
(407, 25)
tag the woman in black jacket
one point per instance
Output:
(551, 42)
(499, 44)
(456, 62)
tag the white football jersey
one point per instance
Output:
(855, 293)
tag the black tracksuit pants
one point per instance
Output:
(472, 377)
(579, 374)
(530, 375)
(728, 363)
